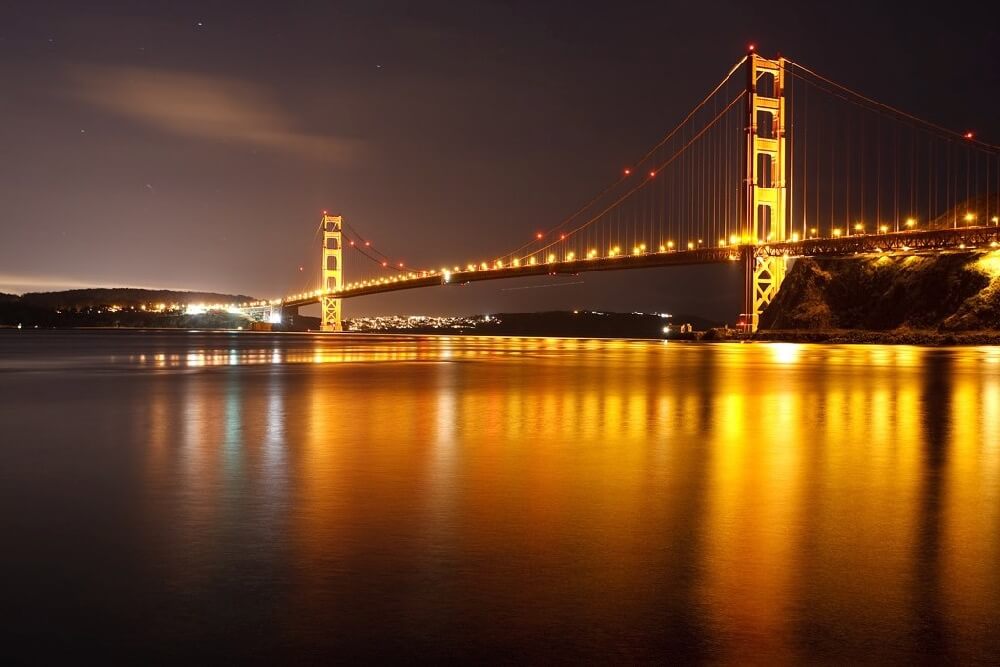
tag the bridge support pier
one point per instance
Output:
(331, 314)
(764, 277)
(332, 272)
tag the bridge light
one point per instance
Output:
(636, 251)
(385, 263)
(970, 217)
(368, 243)
(552, 258)
(516, 262)
(995, 220)
(482, 266)
(795, 237)
(690, 245)
(813, 232)
(883, 228)
(652, 174)
(400, 265)
(670, 245)
(562, 237)
(532, 261)
(628, 171)
(968, 135)
(722, 243)
(591, 254)
(498, 264)
(734, 239)
(836, 233)
(859, 227)
(352, 242)
(538, 235)
(570, 255)
(642, 247)
(911, 223)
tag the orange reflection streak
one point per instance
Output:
(971, 507)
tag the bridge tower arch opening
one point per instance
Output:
(764, 210)
(332, 272)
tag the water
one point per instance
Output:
(259, 497)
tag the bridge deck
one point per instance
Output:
(905, 242)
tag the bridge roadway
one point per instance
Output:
(908, 242)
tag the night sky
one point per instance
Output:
(193, 145)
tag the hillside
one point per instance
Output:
(123, 296)
(950, 293)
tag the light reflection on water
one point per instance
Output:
(505, 498)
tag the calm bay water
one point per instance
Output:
(254, 496)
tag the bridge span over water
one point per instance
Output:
(777, 162)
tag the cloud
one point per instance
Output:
(202, 106)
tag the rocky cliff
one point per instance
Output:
(947, 293)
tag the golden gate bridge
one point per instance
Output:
(776, 162)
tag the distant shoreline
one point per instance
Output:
(897, 337)
(926, 338)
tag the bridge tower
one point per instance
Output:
(765, 195)
(332, 271)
